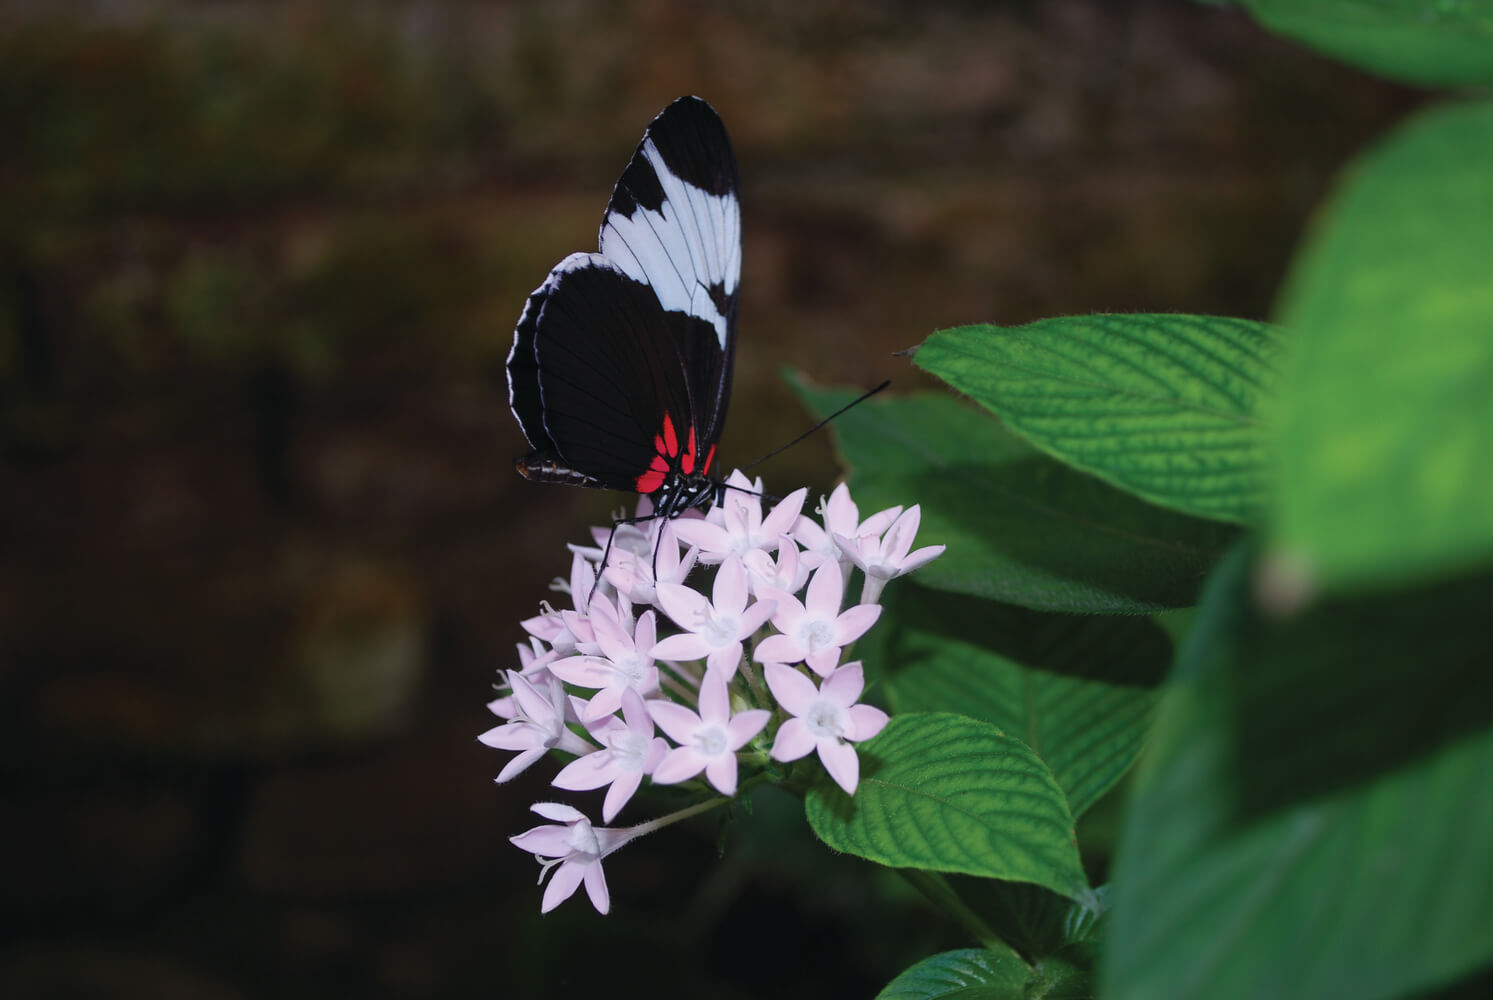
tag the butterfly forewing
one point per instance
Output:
(621, 364)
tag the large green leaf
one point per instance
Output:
(1386, 418)
(1355, 688)
(1019, 527)
(1077, 690)
(1163, 406)
(1373, 890)
(1433, 42)
(976, 974)
(947, 793)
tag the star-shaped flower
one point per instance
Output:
(538, 727)
(826, 719)
(785, 572)
(629, 751)
(534, 661)
(708, 741)
(625, 663)
(714, 628)
(887, 557)
(568, 631)
(577, 848)
(841, 517)
(632, 570)
(742, 528)
(815, 631)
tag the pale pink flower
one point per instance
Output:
(629, 751)
(742, 527)
(632, 572)
(826, 719)
(841, 517)
(886, 557)
(534, 661)
(624, 538)
(568, 631)
(625, 663)
(577, 848)
(815, 631)
(708, 741)
(714, 628)
(785, 572)
(538, 726)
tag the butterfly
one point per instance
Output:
(620, 371)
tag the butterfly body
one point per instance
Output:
(620, 371)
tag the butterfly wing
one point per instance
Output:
(620, 370)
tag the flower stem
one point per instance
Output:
(942, 895)
(675, 817)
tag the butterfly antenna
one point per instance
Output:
(784, 447)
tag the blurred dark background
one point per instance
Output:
(262, 550)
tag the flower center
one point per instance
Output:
(815, 635)
(824, 720)
(582, 839)
(720, 631)
(629, 749)
(710, 741)
(629, 670)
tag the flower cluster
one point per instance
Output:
(642, 650)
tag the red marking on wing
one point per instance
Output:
(687, 460)
(666, 451)
(658, 470)
(671, 440)
(709, 457)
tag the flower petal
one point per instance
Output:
(825, 592)
(563, 883)
(560, 812)
(679, 764)
(844, 686)
(685, 606)
(784, 514)
(778, 649)
(721, 773)
(730, 592)
(842, 763)
(865, 722)
(745, 725)
(681, 647)
(584, 773)
(622, 789)
(791, 689)
(793, 741)
(855, 622)
(724, 660)
(703, 535)
(596, 888)
(675, 720)
(715, 702)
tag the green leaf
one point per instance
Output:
(1375, 890)
(1432, 42)
(1163, 406)
(975, 974)
(1386, 417)
(967, 974)
(1355, 688)
(1033, 920)
(1019, 527)
(947, 793)
(1076, 690)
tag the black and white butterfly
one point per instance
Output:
(621, 364)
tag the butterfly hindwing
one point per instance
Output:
(621, 364)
